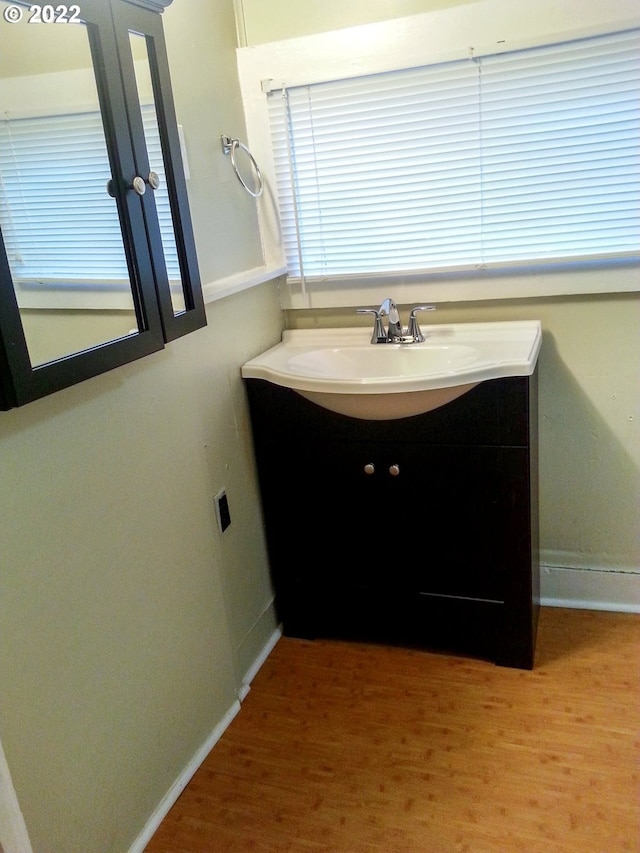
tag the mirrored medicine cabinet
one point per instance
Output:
(97, 256)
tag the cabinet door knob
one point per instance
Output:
(369, 468)
(138, 185)
(394, 470)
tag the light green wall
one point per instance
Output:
(126, 619)
(261, 21)
(201, 39)
(35, 51)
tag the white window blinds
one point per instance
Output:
(53, 169)
(513, 159)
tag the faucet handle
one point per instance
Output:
(379, 335)
(413, 330)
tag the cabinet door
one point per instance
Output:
(157, 152)
(460, 507)
(362, 564)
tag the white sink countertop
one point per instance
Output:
(342, 370)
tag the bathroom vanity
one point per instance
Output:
(418, 530)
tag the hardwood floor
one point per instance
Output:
(351, 748)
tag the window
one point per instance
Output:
(506, 160)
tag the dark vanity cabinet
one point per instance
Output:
(421, 531)
(97, 256)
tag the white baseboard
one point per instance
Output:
(14, 837)
(590, 588)
(181, 782)
(250, 674)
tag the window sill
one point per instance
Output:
(480, 285)
(238, 282)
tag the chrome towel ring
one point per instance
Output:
(229, 146)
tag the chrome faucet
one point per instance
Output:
(394, 333)
(394, 326)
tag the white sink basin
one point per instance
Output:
(369, 363)
(342, 371)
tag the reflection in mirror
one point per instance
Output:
(156, 162)
(60, 227)
(246, 169)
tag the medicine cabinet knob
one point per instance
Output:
(394, 470)
(369, 468)
(138, 185)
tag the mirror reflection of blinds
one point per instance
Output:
(509, 160)
(59, 225)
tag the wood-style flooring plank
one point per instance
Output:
(355, 748)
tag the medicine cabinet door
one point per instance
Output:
(158, 158)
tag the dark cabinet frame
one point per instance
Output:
(108, 24)
(434, 543)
